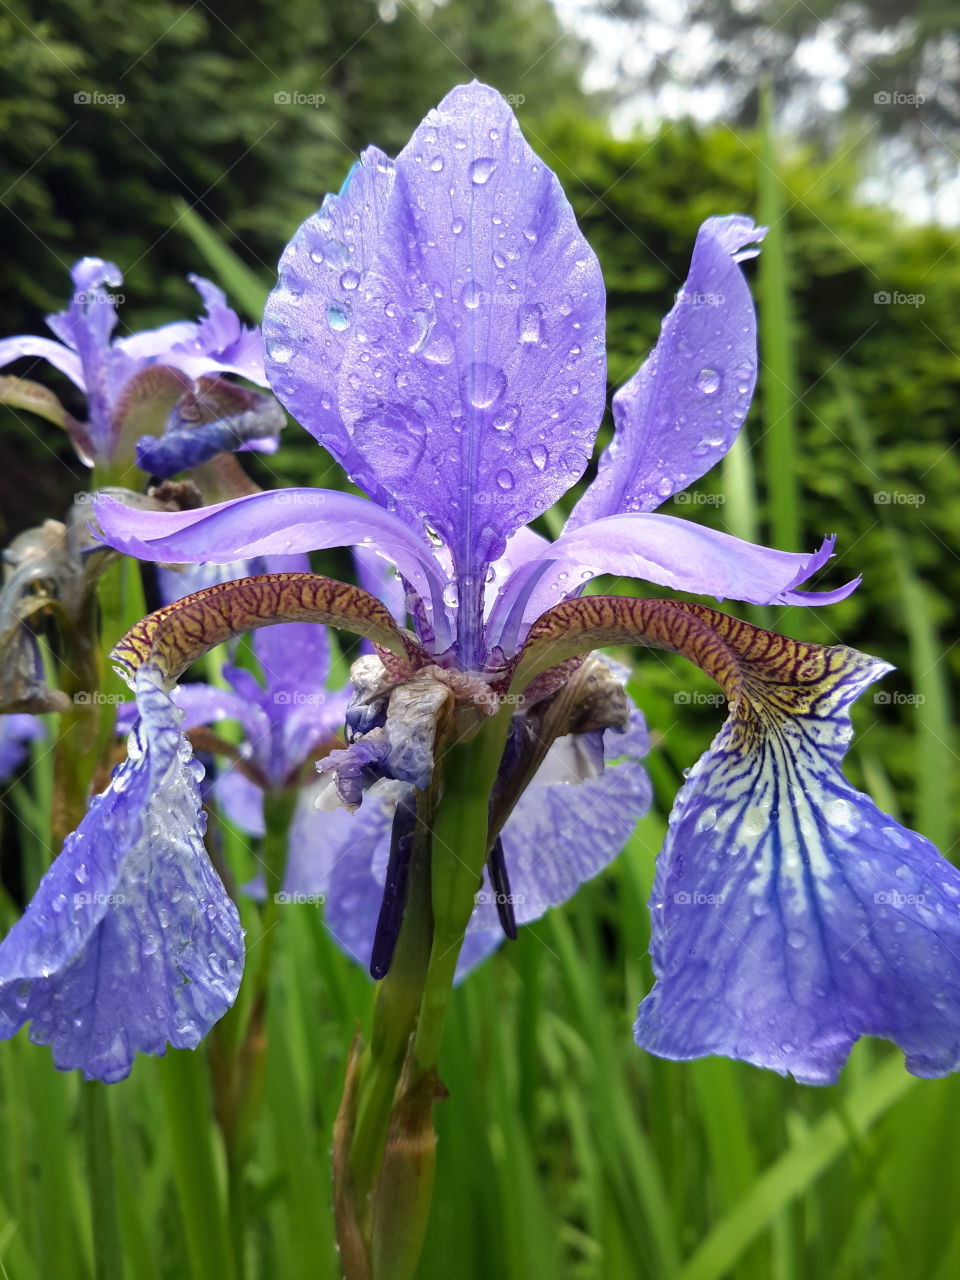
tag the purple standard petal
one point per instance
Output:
(569, 824)
(474, 380)
(682, 410)
(666, 550)
(130, 942)
(791, 916)
(86, 326)
(308, 315)
(284, 520)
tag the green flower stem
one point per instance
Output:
(98, 1136)
(395, 1014)
(461, 845)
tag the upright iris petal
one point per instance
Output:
(471, 291)
(131, 942)
(681, 411)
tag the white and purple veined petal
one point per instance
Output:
(791, 916)
(130, 942)
(683, 408)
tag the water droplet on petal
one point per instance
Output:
(529, 323)
(336, 253)
(505, 479)
(279, 352)
(436, 164)
(665, 487)
(456, 226)
(472, 295)
(338, 318)
(708, 381)
(349, 280)
(539, 456)
(482, 384)
(450, 595)
(506, 417)
(440, 349)
(481, 169)
(392, 439)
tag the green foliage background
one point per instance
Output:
(564, 1151)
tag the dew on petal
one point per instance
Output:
(338, 318)
(482, 384)
(506, 417)
(708, 381)
(530, 322)
(481, 169)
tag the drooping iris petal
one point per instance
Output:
(220, 343)
(682, 410)
(791, 916)
(473, 383)
(178, 634)
(284, 520)
(668, 551)
(308, 317)
(131, 941)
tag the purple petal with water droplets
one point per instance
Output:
(306, 323)
(474, 381)
(682, 410)
(130, 942)
(791, 916)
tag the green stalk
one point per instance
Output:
(186, 1104)
(460, 851)
(107, 1256)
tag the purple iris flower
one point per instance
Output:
(438, 326)
(131, 382)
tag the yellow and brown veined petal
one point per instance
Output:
(179, 633)
(789, 914)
